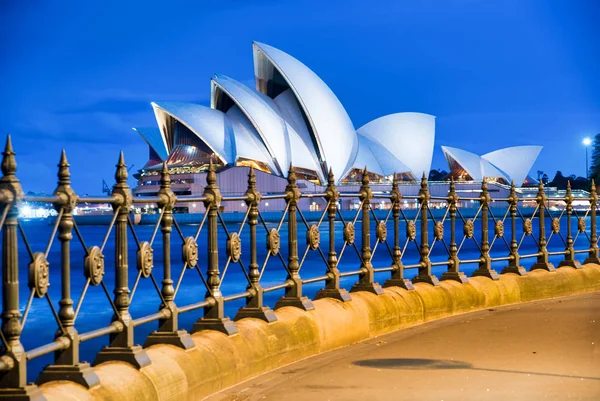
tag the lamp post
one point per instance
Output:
(587, 142)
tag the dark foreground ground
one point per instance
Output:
(544, 350)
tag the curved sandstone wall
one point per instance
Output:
(219, 361)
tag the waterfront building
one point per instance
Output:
(293, 118)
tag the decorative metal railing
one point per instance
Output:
(448, 239)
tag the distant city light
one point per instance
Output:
(587, 141)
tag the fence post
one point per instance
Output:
(66, 364)
(332, 284)
(214, 314)
(424, 275)
(254, 303)
(366, 281)
(397, 279)
(542, 259)
(168, 328)
(121, 344)
(514, 265)
(593, 255)
(13, 381)
(569, 260)
(453, 272)
(485, 261)
(293, 293)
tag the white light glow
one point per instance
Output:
(587, 141)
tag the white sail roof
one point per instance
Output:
(408, 136)
(515, 161)
(333, 134)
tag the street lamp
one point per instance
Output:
(587, 142)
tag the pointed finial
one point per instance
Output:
(484, 186)
(593, 185)
(424, 181)
(330, 177)
(395, 181)
(211, 177)
(165, 178)
(121, 173)
(512, 185)
(64, 175)
(365, 177)
(452, 185)
(568, 185)
(541, 185)
(251, 178)
(291, 175)
(9, 163)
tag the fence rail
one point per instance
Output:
(390, 234)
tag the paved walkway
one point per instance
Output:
(545, 350)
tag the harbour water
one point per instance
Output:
(96, 312)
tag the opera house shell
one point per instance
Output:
(292, 118)
(504, 165)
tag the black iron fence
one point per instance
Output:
(290, 244)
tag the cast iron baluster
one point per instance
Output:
(424, 275)
(593, 255)
(13, 382)
(121, 346)
(214, 314)
(514, 265)
(168, 328)
(570, 260)
(66, 364)
(293, 293)
(254, 303)
(542, 259)
(397, 279)
(366, 281)
(332, 285)
(485, 262)
(453, 272)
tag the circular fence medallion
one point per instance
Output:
(145, 259)
(411, 231)
(527, 227)
(469, 229)
(581, 224)
(555, 225)
(234, 247)
(273, 241)
(438, 231)
(349, 234)
(189, 252)
(39, 274)
(94, 265)
(381, 231)
(499, 229)
(313, 237)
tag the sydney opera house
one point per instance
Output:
(293, 118)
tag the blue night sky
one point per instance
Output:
(80, 75)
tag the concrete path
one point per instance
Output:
(544, 350)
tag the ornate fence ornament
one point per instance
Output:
(273, 241)
(499, 229)
(145, 259)
(349, 234)
(94, 266)
(581, 225)
(381, 231)
(313, 237)
(39, 274)
(469, 229)
(411, 231)
(234, 247)
(190, 252)
(370, 253)
(438, 231)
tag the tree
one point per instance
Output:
(559, 180)
(437, 175)
(594, 172)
